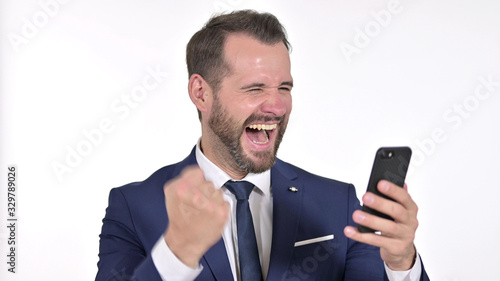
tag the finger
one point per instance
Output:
(386, 227)
(397, 193)
(367, 238)
(223, 212)
(392, 246)
(207, 188)
(405, 220)
(218, 196)
(388, 243)
(212, 194)
(180, 192)
(188, 177)
(195, 180)
(386, 206)
(192, 180)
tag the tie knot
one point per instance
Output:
(240, 189)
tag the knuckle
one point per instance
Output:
(405, 200)
(409, 202)
(191, 173)
(398, 211)
(219, 195)
(180, 190)
(412, 236)
(394, 228)
(223, 212)
(415, 224)
(169, 184)
(202, 202)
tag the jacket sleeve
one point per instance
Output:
(121, 254)
(363, 262)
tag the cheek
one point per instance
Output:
(246, 107)
(289, 103)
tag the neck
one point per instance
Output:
(221, 158)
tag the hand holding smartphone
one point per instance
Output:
(391, 163)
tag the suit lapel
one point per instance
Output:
(217, 261)
(286, 212)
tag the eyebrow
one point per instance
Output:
(262, 85)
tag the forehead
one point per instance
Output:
(247, 55)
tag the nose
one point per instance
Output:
(277, 102)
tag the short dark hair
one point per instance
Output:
(205, 50)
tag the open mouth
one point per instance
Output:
(260, 133)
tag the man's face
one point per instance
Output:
(250, 112)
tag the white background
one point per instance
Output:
(412, 76)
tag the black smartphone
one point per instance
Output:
(391, 163)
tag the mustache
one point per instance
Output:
(263, 118)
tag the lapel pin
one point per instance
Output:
(293, 189)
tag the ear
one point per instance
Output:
(200, 93)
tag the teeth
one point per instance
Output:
(263, 127)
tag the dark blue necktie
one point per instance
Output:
(247, 244)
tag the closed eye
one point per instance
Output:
(260, 87)
(255, 90)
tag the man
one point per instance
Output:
(185, 221)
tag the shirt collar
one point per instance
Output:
(216, 175)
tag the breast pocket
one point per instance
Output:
(314, 261)
(319, 251)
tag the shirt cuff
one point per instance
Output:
(169, 266)
(413, 274)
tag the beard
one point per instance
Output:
(229, 133)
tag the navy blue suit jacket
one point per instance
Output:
(136, 218)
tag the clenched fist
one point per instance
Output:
(197, 214)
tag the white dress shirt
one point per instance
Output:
(261, 206)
